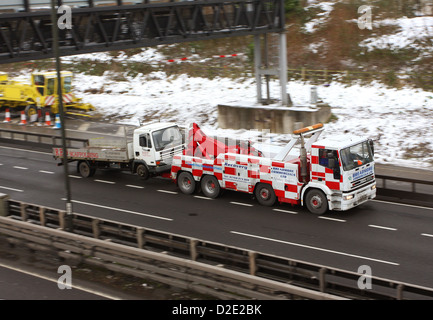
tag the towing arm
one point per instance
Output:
(201, 145)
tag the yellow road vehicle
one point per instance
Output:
(40, 93)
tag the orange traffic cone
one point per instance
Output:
(7, 116)
(47, 119)
(23, 118)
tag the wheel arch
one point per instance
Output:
(136, 163)
(309, 187)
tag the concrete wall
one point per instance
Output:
(274, 119)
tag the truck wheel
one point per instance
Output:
(316, 202)
(30, 111)
(85, 169)
(265, 194)
(210, 187)
(143, 171)
(186, 183)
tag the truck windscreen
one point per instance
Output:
(166, 138)
(356, 156)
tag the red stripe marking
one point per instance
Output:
(231, 171)
(279, 193)
(264, 169)
(278, 164)
(333, 185)
(197, 173)
(291, 188)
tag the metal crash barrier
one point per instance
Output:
(219, 270)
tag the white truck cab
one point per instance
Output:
(343, 168)
(154, 146)
(148, 152)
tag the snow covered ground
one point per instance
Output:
(399, 121)
(410, 33)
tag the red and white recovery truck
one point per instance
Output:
(336, 173)
(147, 152)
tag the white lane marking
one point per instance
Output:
(427, 235)
(11, 189)
(118, 209)
(21, 168)
(1, 164)
(332, 219)
(166, 191)
(75, 177)
(48, 172)
(132, 186)
(314, 248)
(104, 181)
(204, 198)
(382, 227)
(26, 150)
(56, 281)
(285, 211)
(241, 204)
(403, 204)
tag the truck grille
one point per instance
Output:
(168, 154)
(362, 181)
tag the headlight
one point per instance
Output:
(373, 187)
(349, 197)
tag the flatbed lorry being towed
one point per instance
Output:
(147, 152)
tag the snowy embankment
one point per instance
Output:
(399, 120)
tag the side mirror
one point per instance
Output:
(371, 143)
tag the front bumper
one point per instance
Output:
(349, 200)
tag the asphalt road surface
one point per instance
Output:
(394, 240)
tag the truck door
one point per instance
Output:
(145, 151)
(325, 167)
(39, 83)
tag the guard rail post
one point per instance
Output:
(253, 265)
(140, 242)
(193, 249)
(42, 217)
(95, 228)
(62, 223)
(322, 279)
(23, 212)
(4, 208)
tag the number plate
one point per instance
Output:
(362, 197)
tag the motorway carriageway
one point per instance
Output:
(395, 240)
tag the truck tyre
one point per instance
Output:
(265, 194)
(85, 169)
(316, 202)
(30, 111)
(210, 187)
(186, 183)
(143, 171)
